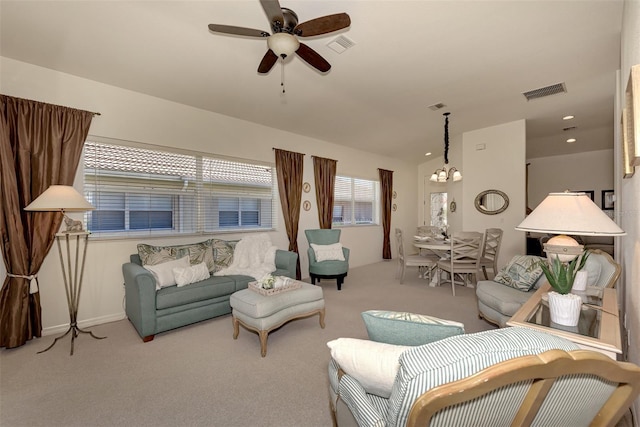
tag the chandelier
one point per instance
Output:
(444, 174)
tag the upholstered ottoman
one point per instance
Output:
(263, 314)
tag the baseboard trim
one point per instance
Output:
(59, 329)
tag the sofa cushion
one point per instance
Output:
(403, 328)
(197, 252)
(501, 298)
(521, 273)
(373, 364)
(192, 274)
(223, 253)
(212, 287)
(331, 252)
(163, 272)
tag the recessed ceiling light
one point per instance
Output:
(571, 140)
(567, 118)
(427, 154)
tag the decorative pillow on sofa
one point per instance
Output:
(518, 273)
(187, 275)
(163, 272)
(197, 252)
(223, 253)
(408, 329)
(328, 252)
(374, 365)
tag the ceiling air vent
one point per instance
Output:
(436, 107)
(545, 91)
(340, 44)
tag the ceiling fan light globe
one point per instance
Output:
(283, 44)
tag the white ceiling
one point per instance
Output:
(477, 57)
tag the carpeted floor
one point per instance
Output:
(198, 375)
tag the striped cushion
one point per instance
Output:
(451, 359)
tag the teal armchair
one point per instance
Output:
(332, 268)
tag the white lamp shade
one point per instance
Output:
(442, 176)
(62, 198)
(457, 176)
(570, 213)
(283, 44)
(434, 177)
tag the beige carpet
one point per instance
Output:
(198, 375)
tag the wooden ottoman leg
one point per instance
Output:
(263, 342)
(321, 313)
(236, 328)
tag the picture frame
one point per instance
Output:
(631, 121)
(608, 200)
(590, 193)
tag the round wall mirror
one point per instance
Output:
(492, 202)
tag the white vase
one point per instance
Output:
(564, 309)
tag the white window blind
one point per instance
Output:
(356, 201)
(149, 191)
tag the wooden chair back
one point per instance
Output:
(557, 386)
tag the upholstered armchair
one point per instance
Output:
(500, 298)
(328, 259)
(502, 377)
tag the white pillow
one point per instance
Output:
(328, 252)
(164, 272)
(187, 275)
(373, 364)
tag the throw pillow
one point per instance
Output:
(374, 365)
(519, 273)
(163, 272)
(187, 275)
(223, 250)
(197, 252)
(328, 252)
(409, 329)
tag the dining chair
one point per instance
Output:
(492, 241)
(425, 263)
(464, 258)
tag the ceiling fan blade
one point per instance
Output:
(323, 25)
(268, 61)
(238, 31)
(273, 10)
(313, 58)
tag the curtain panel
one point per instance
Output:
(386, 196)
(324, 172)
(289, 167)
(40, 145)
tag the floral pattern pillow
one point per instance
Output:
(197, 253)
(519, 273)
(223, 253)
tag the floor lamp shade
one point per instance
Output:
(62, 198)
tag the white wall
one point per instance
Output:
(137, 117)
(628, 206)
(500, 165)
(592, 170)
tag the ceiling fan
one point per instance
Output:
(286, 30)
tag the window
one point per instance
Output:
(356, 201)
(141, 190)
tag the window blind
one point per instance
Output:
(356, 201)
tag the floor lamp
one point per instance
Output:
(64, 198)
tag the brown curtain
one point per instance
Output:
(386, 188)
(289, 166)
(40, 145)
(324, 172)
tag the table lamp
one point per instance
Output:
(64, 198)
(568, 213)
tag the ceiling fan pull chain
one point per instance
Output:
(282, 75)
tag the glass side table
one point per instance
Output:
(597, 330)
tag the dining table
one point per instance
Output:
(440, 247)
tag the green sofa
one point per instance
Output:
(153, 311)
